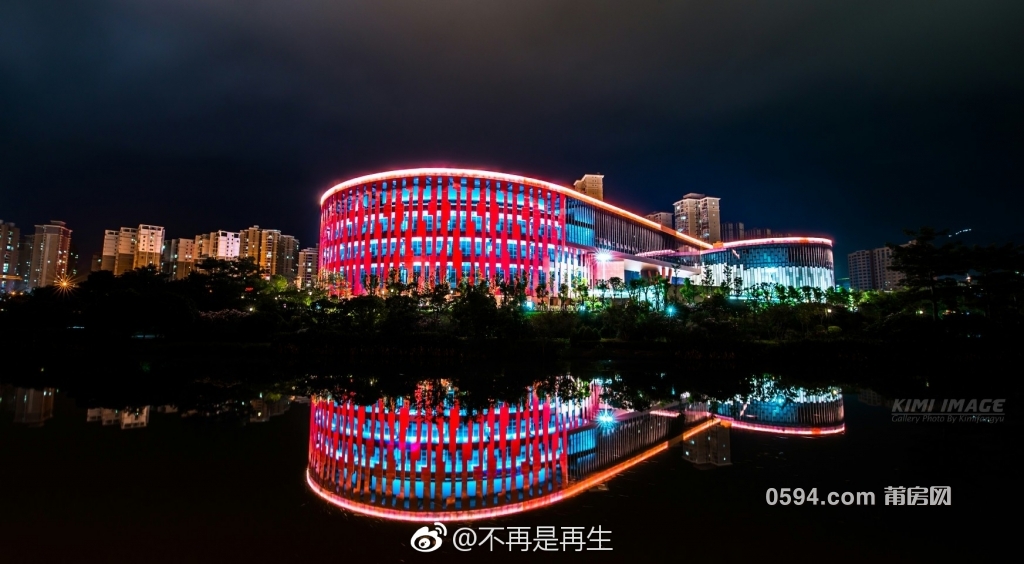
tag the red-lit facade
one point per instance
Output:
(452, 224)
(396, 458)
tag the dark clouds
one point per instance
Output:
(852, 119)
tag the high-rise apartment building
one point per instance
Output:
(250, 243)
(885, 279)
(710, 447)
(733, 231)
(149, 246)
(10, 241)
(309, 267)
(270, 242)
(287, 260)
(221, 245)
(49, 254)
(124, 250)
(664, 218)
(275, 252)
(108, 256)
(31, 406)
(869, 270)
(699, 216)
(861, 270)
(759, 233)
(592, 185)
(25, 259)
(179, 258)
(129, 248)
(73, 262)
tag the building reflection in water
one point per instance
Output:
(34, 406)
(709, 448)
(772, 408)
(127, 418)
(30, 406)
(873, 398)
(263, 408)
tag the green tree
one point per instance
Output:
(617, 286)
(926, 260)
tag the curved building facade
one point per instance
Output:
(442, 224)
(790, 261)
(449, 224)
(396, 459)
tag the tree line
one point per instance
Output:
(948, 289)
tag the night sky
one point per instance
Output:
(846, 119)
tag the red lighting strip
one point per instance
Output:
(778, 240)
(809, 431)
(492, 512)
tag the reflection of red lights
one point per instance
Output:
(492, 512)
(811, 431)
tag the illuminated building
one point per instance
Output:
(590, 185)
(772, 409)
(309, 267)
(664, 218)
(264, 409)
(129, 248)
(869, 270)
(790, 261)
(135, 418)
(220, 245)
(179, 258)
(32, 407)
(274, 252)
(698, 216)
(249, 243)
(124, 249)
(399, 456)
(733, 231)
(49, 252)
(759, 233)
(127, 418)
(450, 224)
(149, 246)
(278, 254)
(10, 241)
(108, 254)
(861, 271)
(438, 224)
(710, 447)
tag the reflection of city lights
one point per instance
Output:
(492, 512)
(812, 431)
